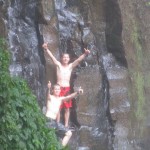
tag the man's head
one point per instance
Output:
(56, 90)
(65, 58)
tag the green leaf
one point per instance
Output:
(23, 125)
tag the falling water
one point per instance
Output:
(23, 36)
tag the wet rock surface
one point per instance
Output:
(24, 42)
(113, 112)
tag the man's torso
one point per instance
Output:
(63, 75)
(53, 105)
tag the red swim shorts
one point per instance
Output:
(64, 92)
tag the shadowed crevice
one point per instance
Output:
(114, 32)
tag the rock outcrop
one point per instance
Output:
(113, 112)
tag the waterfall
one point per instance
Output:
(113, 111)
(25, 45)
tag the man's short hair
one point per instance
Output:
(55, 85)
(64, 54)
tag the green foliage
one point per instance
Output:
(138, 77)
(139, 85)
(135, 37)
(22, 124)
(147, 3)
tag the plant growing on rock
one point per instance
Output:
(22, 123)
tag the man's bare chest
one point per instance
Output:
(54, 102)
(64, 71)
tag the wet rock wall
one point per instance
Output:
(113, 112)
(22, 19)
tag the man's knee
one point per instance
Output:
(69, 133)
(67, 110)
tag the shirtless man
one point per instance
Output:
(63, 71)
(52, 109)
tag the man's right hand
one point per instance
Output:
(86, 51)
(45, 46)
(80, 90)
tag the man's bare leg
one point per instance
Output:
(67, 115)
(66, 138)
(58, 117)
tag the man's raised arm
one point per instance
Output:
(48, 90)
(55, 61)
(78, 60)
(73, 95)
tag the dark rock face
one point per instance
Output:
(2, 19)
(113, 112)
(74, 31)
(114, 41)
(22, 20)
(136, 20)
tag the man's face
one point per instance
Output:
(56, 90)
(65, 59)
